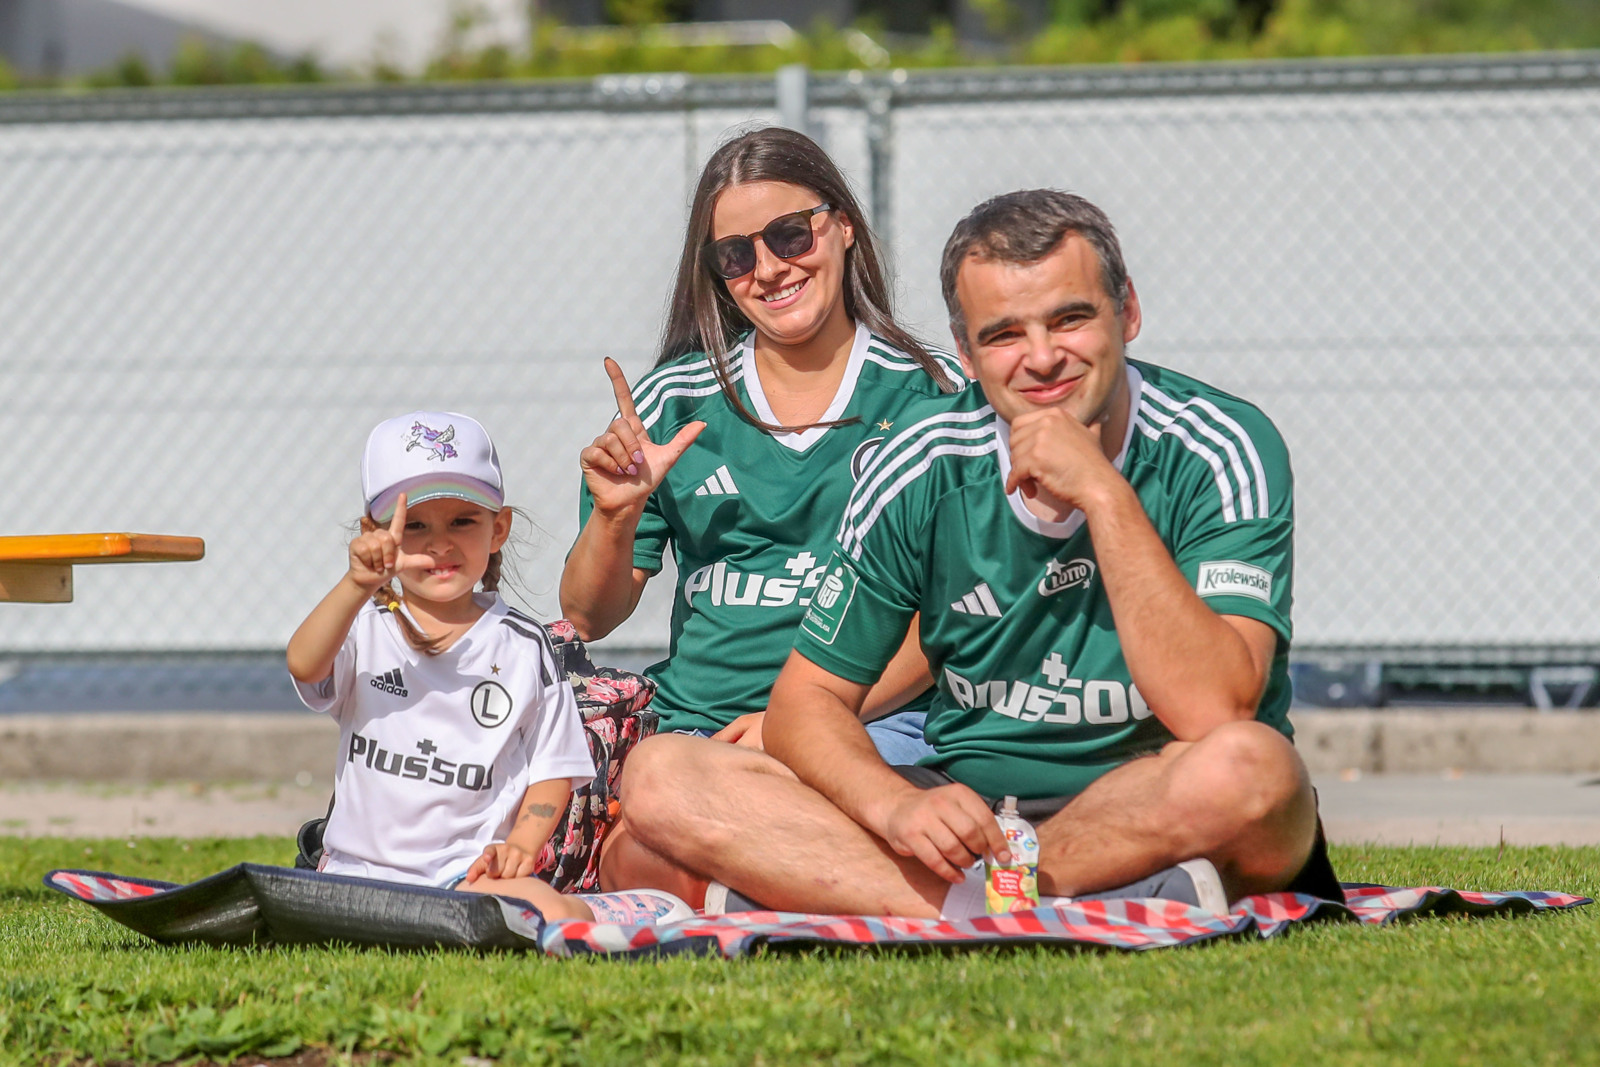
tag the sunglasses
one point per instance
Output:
(786, 236)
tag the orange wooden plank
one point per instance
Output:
(101, 548)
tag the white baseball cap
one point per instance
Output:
(428, 455)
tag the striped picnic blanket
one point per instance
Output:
(261, 905)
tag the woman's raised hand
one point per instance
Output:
(623, 466)
(375, 556)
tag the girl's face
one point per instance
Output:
(459, 536)
(787, 300)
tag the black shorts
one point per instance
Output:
(1315, 879)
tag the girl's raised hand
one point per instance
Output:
(623, 466)
(375, 556)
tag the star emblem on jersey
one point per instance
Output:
(494, 668)
(719, 484)
(885, 424)
(978, 602)
(1059, 576)
(491, 705)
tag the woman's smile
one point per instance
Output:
(782, 298)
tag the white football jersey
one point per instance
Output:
(435, 752)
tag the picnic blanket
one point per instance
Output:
(254, 904)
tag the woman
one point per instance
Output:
(780, 373)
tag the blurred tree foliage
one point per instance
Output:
(1076, 31)
(197, 63)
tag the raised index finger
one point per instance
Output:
(619, 386)
(397, 525)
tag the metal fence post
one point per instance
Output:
(879, 99)
(793, 84)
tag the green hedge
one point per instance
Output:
(1080, 31)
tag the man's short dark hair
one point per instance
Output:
(1024, 227)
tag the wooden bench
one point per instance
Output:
(38, 569)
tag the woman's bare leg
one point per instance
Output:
(625, 863)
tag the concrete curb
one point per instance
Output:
(192, 747)
(1431, 741)
(223, 746)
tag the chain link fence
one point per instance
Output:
(207, 299)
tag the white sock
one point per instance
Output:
(965, 900)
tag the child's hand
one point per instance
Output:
(502, 860)
(375, 557)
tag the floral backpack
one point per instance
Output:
(614, 705)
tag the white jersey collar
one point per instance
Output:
(799, 442)
(1065, 529)
(494, 608)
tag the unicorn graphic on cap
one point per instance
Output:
(437, 442)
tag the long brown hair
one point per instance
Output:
(387, 597)
(703, 316)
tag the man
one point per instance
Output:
(1101, 554)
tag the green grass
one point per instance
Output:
(75, 987)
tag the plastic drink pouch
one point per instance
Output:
(1013, 886)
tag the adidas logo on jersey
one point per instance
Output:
(978, 602)
(719, 484)
(390, 682)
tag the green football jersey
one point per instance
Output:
(751, 517)
(1034, 698)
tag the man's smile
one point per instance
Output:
(1049, 392)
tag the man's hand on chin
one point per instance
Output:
(1058, 459)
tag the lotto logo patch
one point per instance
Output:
(1229, 577)
(831, 602)
(1059, 576)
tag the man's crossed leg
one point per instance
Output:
(1239, 797)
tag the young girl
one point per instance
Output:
(460, 740)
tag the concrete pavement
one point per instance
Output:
(1392, 776)
(1383, 809)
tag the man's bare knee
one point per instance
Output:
(650, 767)
(1250, 770)
(673, 780)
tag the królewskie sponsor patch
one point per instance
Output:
(1229, 577)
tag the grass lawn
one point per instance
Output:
(75, 987)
